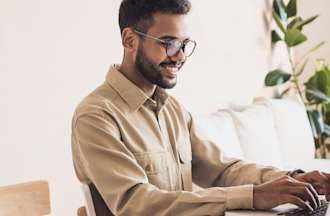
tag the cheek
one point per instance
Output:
(156, 53)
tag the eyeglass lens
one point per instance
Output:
(175, 46)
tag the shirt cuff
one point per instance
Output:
(240, 197)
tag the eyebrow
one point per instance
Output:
(169, 37)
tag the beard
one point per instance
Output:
(153, 72)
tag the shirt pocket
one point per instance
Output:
(185, 154)
(156, 166)
(185, 157)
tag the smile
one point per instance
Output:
(170, 70)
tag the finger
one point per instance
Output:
(305, 194)
(315, 194)
(311, 188)
(300, 203)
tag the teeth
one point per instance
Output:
(171, 67)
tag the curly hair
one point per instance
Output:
(139, 13)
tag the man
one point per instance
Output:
(139, 148)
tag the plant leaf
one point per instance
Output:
(307, 21)
(295, 23)
(326, 129)
(294, 37)
(275, 37)
(317, 94)
(320, 64)
(291, 9)
(318, 87)
(285, 92)
(280, 9)
(276, 77)
(302, 68)
(278, 21)
(316, 122)
(313, 84)
(315, 47)
(326, 108)
(310, 51)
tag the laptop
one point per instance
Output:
(284, 210)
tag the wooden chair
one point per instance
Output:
(94, 203)
(88, 209)
(31, 198)
(82, 211)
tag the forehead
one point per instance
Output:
(169, 25)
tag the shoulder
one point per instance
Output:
(101, 102)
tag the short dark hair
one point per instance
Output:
(138, 14)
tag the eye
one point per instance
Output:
(167, 42)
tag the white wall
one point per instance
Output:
(232, 55)
(316, 32)
(52, 53)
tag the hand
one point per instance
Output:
(319, 180)
(285, 190)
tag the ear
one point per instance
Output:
(130, 40)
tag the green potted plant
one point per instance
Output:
(315, 93)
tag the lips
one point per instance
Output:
(170, 70)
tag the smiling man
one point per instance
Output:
(138, 148)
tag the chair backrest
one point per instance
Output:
(82, 211)
(31, 198)
(90, 210)
(95, 205)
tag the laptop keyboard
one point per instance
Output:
(320, 211)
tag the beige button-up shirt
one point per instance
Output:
(143, 154)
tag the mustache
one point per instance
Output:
(171, 63)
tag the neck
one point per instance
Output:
(130, 72)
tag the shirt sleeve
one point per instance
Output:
(211, 167)
(101, 157)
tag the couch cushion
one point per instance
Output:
(257, 134)
(293, 130)
(219, 128)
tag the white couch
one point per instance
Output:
(269, 131)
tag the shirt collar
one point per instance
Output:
(132, 94)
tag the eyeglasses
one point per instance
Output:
(173, 46)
